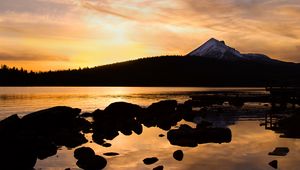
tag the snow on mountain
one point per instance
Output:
(214, 48)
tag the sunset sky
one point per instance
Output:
(61, 34)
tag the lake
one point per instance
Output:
(248, 148)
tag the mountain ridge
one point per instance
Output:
(189, 70)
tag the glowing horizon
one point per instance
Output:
(61, 34)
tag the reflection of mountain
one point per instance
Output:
(212, 64)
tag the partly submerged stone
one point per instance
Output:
(274, 164)
(159, 168)
(110, 154)
(178, 155)
(149, 161)
(280, 151)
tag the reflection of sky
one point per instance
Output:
(248, 150)
(24, 100)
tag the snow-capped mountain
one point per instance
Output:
(216, 49)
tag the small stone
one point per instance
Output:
(149, 161)
(111, 154)
(159, 168)
(178, 155)
(280, 151)
(274, 164)
(106, 145)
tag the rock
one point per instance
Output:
(45, 148)
(162, 114)
(84, 153)
(149, 161)
(106, 145)
(159, 168)
(86, 115)
(280, 151)
(190, 137)
(290, 126)
(119, 116)
(274, 164)
(95, 163)
(111, 154)
(165, 106)
(88, 160)
(69, 138)
(123, 109)
(50, 119)
(178, 155)
(17, 154)
(10, 125)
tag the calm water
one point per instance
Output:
(23, 100)
(248, 149)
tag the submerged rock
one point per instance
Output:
(280, 151)
(178, 155)
(149, 161)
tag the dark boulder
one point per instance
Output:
(84, 153)
(178, 155)
(290, 126)
(10, 125)
(50, 119)
(88, 160)
(95, 163)
(162, 114)
(149, 161)
(123, 109)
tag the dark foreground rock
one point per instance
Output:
(191, 137)
(149, 161)
(38, 135)
(178, 155)
(88, 160)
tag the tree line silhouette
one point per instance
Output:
(160, 71)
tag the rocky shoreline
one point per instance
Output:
(40, 134)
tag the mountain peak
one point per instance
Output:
(214, 48)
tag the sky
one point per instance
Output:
(44, 35)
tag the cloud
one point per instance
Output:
(105, 10)
(26, 56)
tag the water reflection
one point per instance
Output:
(23, 100)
